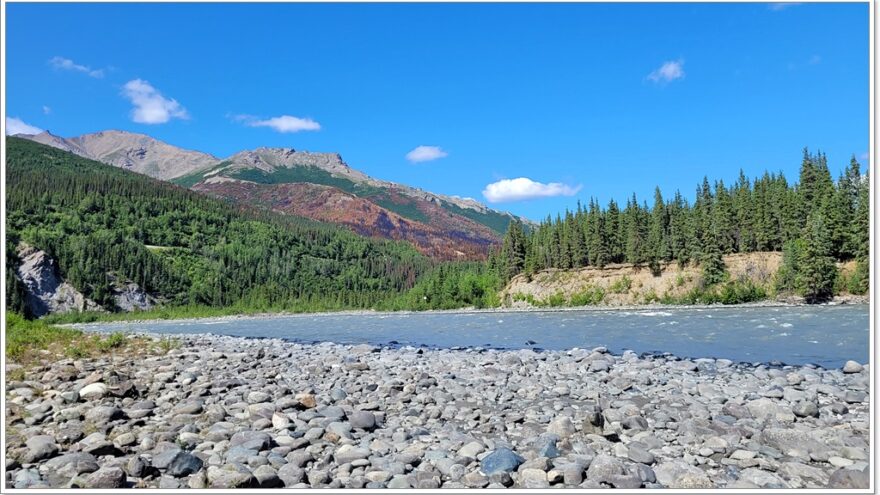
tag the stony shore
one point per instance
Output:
(226, 412)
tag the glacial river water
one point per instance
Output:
(822, 335)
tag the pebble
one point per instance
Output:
(226, 412)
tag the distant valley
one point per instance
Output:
(319, 186)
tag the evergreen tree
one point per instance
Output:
(817, 270)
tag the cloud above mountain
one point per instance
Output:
(62, 63)
(425, 154)
(523, 188)
(283, 123)
(150, 107)
(14, 125)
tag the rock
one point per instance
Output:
(248, 439)
(267, 477)
(692, 479)
(364, 420)
(108, 477)
(137, 467)
(349, 453)
(852, 367)
(762, 408)
(59, 470)
(26, 478)
(291, 474)
(230, 476)
(849, 479)
(104, 414)
(399, 482)
(471, 450)
(306, 401)
(40, 447)
(604, 469)
(637, 454)
(184, 464)
(93, 391)
(533, 478)
(804, 409)
(475, 479)
(636, 423)
(562, 427)
(761, 478)
(164, 458)
(500, 460)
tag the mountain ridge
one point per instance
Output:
(441, 226)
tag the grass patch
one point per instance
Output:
(29, 341)
(621, 285)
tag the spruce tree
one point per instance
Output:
(817, 270)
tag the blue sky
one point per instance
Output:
(580, 100)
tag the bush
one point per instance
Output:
(589, 296)
(621, 285)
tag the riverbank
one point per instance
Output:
(226, 412)
(124, 317)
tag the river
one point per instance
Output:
(823, 335)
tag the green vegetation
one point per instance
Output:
(96, 221)
(816, 222)
(621, 285)
(28, 341)
(498, 222)
(450, 286)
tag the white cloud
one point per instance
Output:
(46, 110)
(776, 7)
(15, 126)
(668, 72)
(425, 154)
(150, 107)
(67, 64)
(284, 123)
(524, 188)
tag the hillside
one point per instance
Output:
(130, 151)
(105, 229)
(625, 284)
(320, 186)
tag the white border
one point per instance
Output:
(872, 291)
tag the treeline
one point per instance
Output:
(815, 222)
(105, 225)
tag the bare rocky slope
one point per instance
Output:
(136, 152)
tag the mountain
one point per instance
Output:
(320, 186)
(80, 233)
(323, 187)
(135, 152)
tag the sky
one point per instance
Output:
(526, 107)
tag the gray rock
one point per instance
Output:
(805, 409)
(852, 367)
(230, 476)
(500, 460)
(364, 420)
(107, 477)
(849, 479)
(40, 447)
(184, 464)
(59, 470)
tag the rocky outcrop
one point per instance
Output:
(130, 297)
(47, 292)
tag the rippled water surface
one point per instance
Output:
(823, 335)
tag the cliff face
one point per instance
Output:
(46, 291)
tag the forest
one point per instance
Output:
(104, 224)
